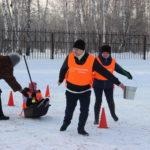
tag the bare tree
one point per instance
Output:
(28, 27)
(5, 17)
(100, 16)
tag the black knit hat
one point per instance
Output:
(105, 48)
(80, 44)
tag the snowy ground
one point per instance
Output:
(131, 132)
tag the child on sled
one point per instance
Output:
(34, 105)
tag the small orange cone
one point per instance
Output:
(47, 93)
(11, 100)
(103, 121)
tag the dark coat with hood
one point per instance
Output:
(6, 73)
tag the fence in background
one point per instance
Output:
(45, 44)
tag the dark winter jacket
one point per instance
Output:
(107, 83)
(96, 67)
(6, 73)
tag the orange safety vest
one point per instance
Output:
(24, 106)
(80, 74)
(39, 97)
(110, 68)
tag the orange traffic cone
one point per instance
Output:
(11, 100)
(103, 121)
(47, 93)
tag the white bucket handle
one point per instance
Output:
(135, 82)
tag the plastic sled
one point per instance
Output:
(36, 111)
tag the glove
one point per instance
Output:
(121, 85)
(0, 91)
(25, 92)
(129, 76)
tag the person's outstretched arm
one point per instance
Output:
(63, 71)
(12, 82)
(121, 71)
(104, 72)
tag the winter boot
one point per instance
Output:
(64, 127)
(4, 117)
(115, 117)
(96, 122)
(83, 132)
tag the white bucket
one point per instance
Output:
(129, 92)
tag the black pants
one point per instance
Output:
(71, 102)
(110, 100)
(1, 111)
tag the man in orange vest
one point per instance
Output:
(77, 70)
(101, 83)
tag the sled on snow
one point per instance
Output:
(37, 110)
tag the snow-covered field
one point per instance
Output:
(131, 132)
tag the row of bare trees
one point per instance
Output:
(104, 16)
(87, 16)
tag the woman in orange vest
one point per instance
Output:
(101, 83)
(77, 70)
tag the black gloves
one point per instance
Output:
(25, 92)
(129, 76)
